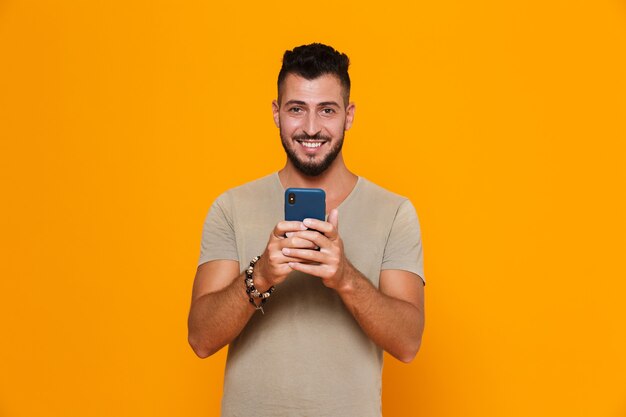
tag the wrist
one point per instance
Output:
(348, 283)
(252, 291)
(261, 283)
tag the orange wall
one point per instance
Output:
(504, 122)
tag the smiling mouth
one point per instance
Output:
(311, 144)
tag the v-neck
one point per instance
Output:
(352, 192)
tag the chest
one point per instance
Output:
(364, 234)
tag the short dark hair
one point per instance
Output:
(314, 60)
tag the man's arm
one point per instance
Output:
(220, 307)
(392, 316)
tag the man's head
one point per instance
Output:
(313, 109)
(314, 60)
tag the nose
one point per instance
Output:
(311, 125)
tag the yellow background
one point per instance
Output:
(504, 122)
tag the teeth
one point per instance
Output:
(311, 144)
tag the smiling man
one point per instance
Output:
(334, 294)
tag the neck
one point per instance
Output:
(337, 181)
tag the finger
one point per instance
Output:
(326, 228)
(333, 218)
(316, 237)
(316, 224)
(281, 259)
(315, 270)
(298, 242)
(304, 254)
(282, 228)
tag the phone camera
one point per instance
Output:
(291, 198)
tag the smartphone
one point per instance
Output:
(305, 203)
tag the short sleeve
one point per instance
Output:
(218, 234)
(404, 245)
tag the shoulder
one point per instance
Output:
(264, 188)
(370, 200)
(378, 195)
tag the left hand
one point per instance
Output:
(329, 263)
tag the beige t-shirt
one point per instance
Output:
(307, 356)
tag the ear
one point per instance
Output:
(350, 115)
(276, 112)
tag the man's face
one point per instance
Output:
(312, 117)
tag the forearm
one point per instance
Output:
(394, 325)
(216, 318)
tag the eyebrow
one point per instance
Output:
(322, 104)
(298, 102)
(328, 103)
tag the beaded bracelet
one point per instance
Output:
(252, 291)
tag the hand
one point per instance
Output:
(329, 263)
(273, 267)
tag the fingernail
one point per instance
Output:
(307, 222)
(286, 251)
(304, 225)
(289, 234)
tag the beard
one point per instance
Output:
(308, 166)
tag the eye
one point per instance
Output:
(328, 110)
(295, 110)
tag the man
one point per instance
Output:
(345, 288)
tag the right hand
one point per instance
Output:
(273, 267)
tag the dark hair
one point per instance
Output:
(314, 60)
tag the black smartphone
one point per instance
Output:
(305, 203)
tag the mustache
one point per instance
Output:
(317, 136)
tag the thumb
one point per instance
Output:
(333, 218)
